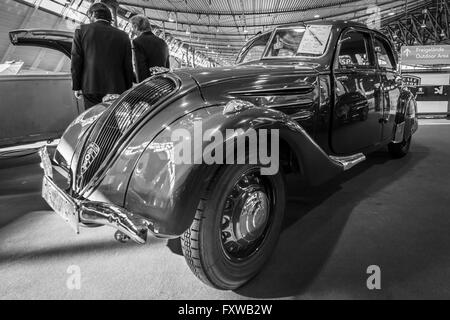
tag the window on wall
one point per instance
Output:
(384, 54)
(354, 51)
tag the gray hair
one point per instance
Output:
(141, 23)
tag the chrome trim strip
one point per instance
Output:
(299, 104)
(349, 162)
(265, 92)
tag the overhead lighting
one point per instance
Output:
(299, 30)
(171, 17)
(317, 16)
(424, 25)
(391, 13)
(245, 30)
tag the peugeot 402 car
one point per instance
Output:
(331, 90)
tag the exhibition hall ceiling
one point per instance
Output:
(221, 27)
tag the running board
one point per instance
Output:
(349, 162)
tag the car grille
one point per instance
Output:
(117, 122)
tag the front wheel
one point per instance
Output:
(236, 226)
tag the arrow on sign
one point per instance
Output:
(407, 52)
(439, 90)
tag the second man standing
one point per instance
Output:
(150, 51)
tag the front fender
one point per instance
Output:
(74, 133)
(168, 193)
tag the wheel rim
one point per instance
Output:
(246, 216)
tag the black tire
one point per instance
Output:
(399, 150)
(203, 243)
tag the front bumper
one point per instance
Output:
(78, 212)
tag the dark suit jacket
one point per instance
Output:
(101, 59)
(150, 51)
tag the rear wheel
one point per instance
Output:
(236, 227)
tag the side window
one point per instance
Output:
(384, 54)
(354, 51)
(255, 53)
(255, 49)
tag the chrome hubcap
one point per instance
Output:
(246, 216)
(253, 218)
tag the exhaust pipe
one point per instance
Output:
(126, 222)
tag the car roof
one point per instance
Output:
(336, 23)
(341, 24)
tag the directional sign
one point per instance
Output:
(439, 90)
(426, 55)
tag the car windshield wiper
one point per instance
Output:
(314, 35)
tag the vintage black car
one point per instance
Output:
(332, 92)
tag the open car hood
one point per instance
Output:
(53, 39)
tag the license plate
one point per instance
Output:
(61, 203)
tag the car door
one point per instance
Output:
(391, 87)
(37, 102)
(357, 95)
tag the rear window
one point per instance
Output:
(384, 54)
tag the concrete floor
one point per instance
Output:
(390, 213)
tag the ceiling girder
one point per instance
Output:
(428, 25)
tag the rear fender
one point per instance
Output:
(406, 123)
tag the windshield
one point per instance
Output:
(305, 41)
(309, 41)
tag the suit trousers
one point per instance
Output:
(92, 99)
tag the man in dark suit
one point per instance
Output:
(149, 50)
(101, 58)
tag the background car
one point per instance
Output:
(37, 102)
